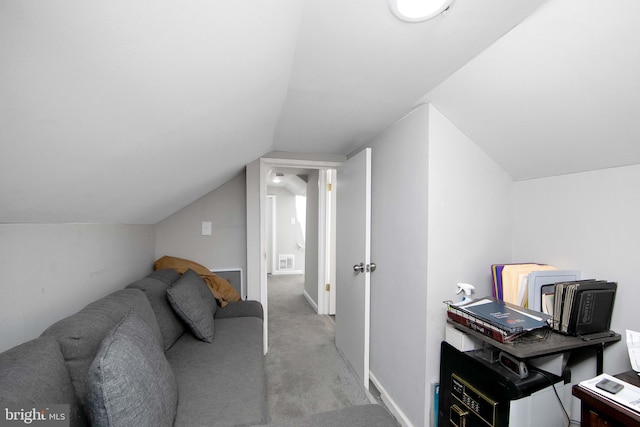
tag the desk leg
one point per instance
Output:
(599, 359)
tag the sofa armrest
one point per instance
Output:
(240, 309)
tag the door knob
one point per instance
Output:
(359, 268)
(371, 267)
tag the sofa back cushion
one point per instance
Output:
(167, 276)
(34, 373)
(80, 335)
(130, 382)
(155, 288)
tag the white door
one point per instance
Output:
(353, 241)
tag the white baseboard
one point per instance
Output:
(391, 404)
(311, 301)
(282, 272)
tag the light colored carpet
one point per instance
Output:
(305, 372)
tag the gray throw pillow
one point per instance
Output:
(130, 381)
(186, 298)
(80, 334)
(207, 296)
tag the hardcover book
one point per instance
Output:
(479, 326)
(506, 316)
(584, 307)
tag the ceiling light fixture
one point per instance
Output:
(418, 10)
(277, 178)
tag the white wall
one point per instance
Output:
(591, 222)
(470, 223)
(476, 216)
(399, 249)
(180, 234)
(255, 248)
(51, 271)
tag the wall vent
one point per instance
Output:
(285, 262)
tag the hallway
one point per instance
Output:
(305, 372)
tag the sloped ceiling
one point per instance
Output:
(125, 111)
(357, 68)
(558, 94)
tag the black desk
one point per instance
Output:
(555, 343)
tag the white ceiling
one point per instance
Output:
(357, 68)
(125, 111)
(559, 94)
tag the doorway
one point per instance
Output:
(298, 229)
(286, 230)
(257, 180)
(286, 221)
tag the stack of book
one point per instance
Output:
(583, 307)
(496, 319)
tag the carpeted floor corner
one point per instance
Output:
(305, 372)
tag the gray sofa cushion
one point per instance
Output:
(155, 287)
(228, 375)
(240, 309)
(34, 373)
(167, 276)
(80, 335)
(186, 299)
(130, 382)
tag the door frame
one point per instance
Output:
(273, 208)
(265, 165)
(329, 224)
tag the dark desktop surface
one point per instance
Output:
(552, 342)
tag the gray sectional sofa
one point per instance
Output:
(159, 353)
